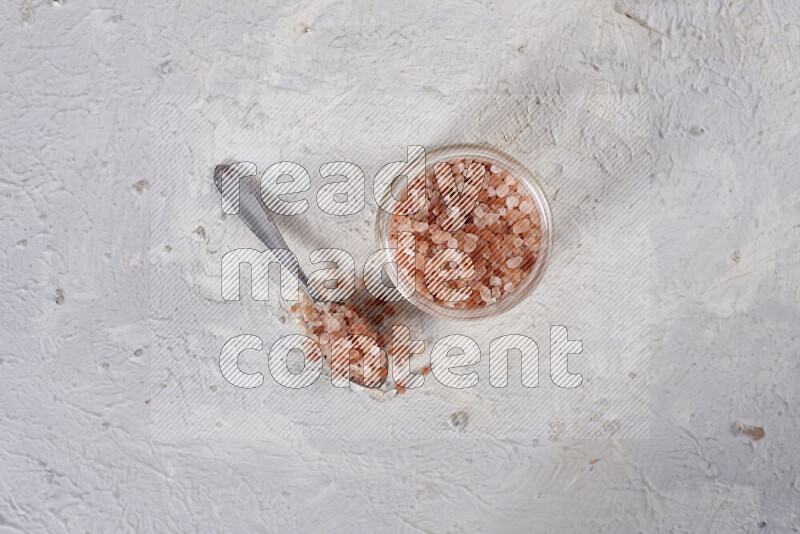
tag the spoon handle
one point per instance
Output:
(255, 216)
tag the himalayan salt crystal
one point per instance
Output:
(452, 243)
(526, 207)
(502, 191)
(518, 242)
(458, 168)
(469, 246)
(508, 287)
(513, 216)
(495, 281)
(491, 191)
(331, 324)
(459, 179)
(485, 292)
(420, 226)
(496, 292)
(511, 181)
(514, 262)
(495, 169)
(521, 226)
(512, 202)
(439, 236)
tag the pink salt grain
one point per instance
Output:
(521, 226)
(486, 293)
(514, 262)
(331, 324)
(439, 236)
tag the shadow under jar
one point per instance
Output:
(506, 230)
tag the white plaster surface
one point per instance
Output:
(666, 131)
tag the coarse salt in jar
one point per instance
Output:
(481, 203)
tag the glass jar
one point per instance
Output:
(514, 168)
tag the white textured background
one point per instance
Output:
(78, 188)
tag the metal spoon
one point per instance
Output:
(255, 216)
